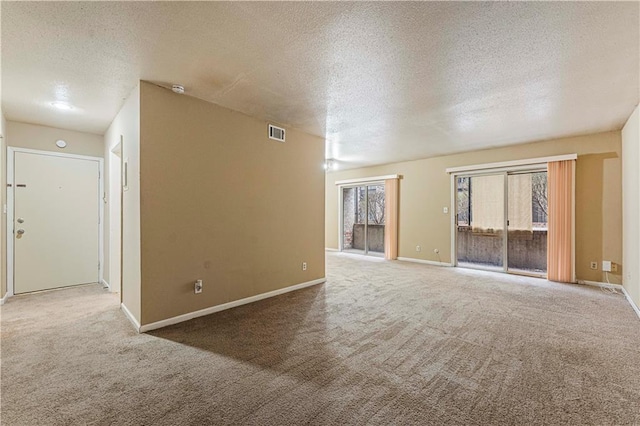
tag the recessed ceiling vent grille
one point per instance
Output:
(276, 133)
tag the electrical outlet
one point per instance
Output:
(614, 267)
(418, 248)
(304, 266)
(198, 287)
(594, 265)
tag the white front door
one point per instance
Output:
(56, 221)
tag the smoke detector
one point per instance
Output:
(177, 89)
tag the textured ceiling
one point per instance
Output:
(382, 82)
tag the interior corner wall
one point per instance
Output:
(127, 124)
(426, 188)
(631, 205)
(223, 203)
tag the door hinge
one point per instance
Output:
(98, 266)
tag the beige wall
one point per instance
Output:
(426, 188)
(33, 136)
(631, 205)
(223, 203)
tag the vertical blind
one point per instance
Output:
(560, 175)
(391, 219)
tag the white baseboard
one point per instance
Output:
(617, 287)
(105, 284)
(213, 309)
(426, 262)
(631, 302)
(130, 316)
(330, 249)
(600, 284)
(4, 298)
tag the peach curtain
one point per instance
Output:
(560, 175)
(391, 219)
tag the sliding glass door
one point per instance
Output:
(363, 219)
(490, 204)
(375, 219)
(527, 236)
(480, 231)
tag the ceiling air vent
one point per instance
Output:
(276, 133)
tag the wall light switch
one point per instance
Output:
(445, 210)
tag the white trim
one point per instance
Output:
(617, 287)
(514, 163)
(4, 299)
(11, 151)
(426, 262)
(105, 284)
(225, 306)
(367, 179)
(130, 317)
(599, 284)
(330, 249)
(631, 302)
(10, 221)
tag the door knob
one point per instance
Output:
(20, 220)
(20, 231)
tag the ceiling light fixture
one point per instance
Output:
(330, 164)
(178, 89)
(61, 105)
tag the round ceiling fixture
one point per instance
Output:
(178, 89)
(61, 105)
(330, 164)
(61, 144)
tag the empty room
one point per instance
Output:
(320, 213)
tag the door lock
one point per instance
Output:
(20, 231)
(20, 220)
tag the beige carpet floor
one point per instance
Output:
(380, 343)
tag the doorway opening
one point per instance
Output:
(501, 221)
(362, 217)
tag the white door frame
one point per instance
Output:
(115, 218)
(11, 151)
